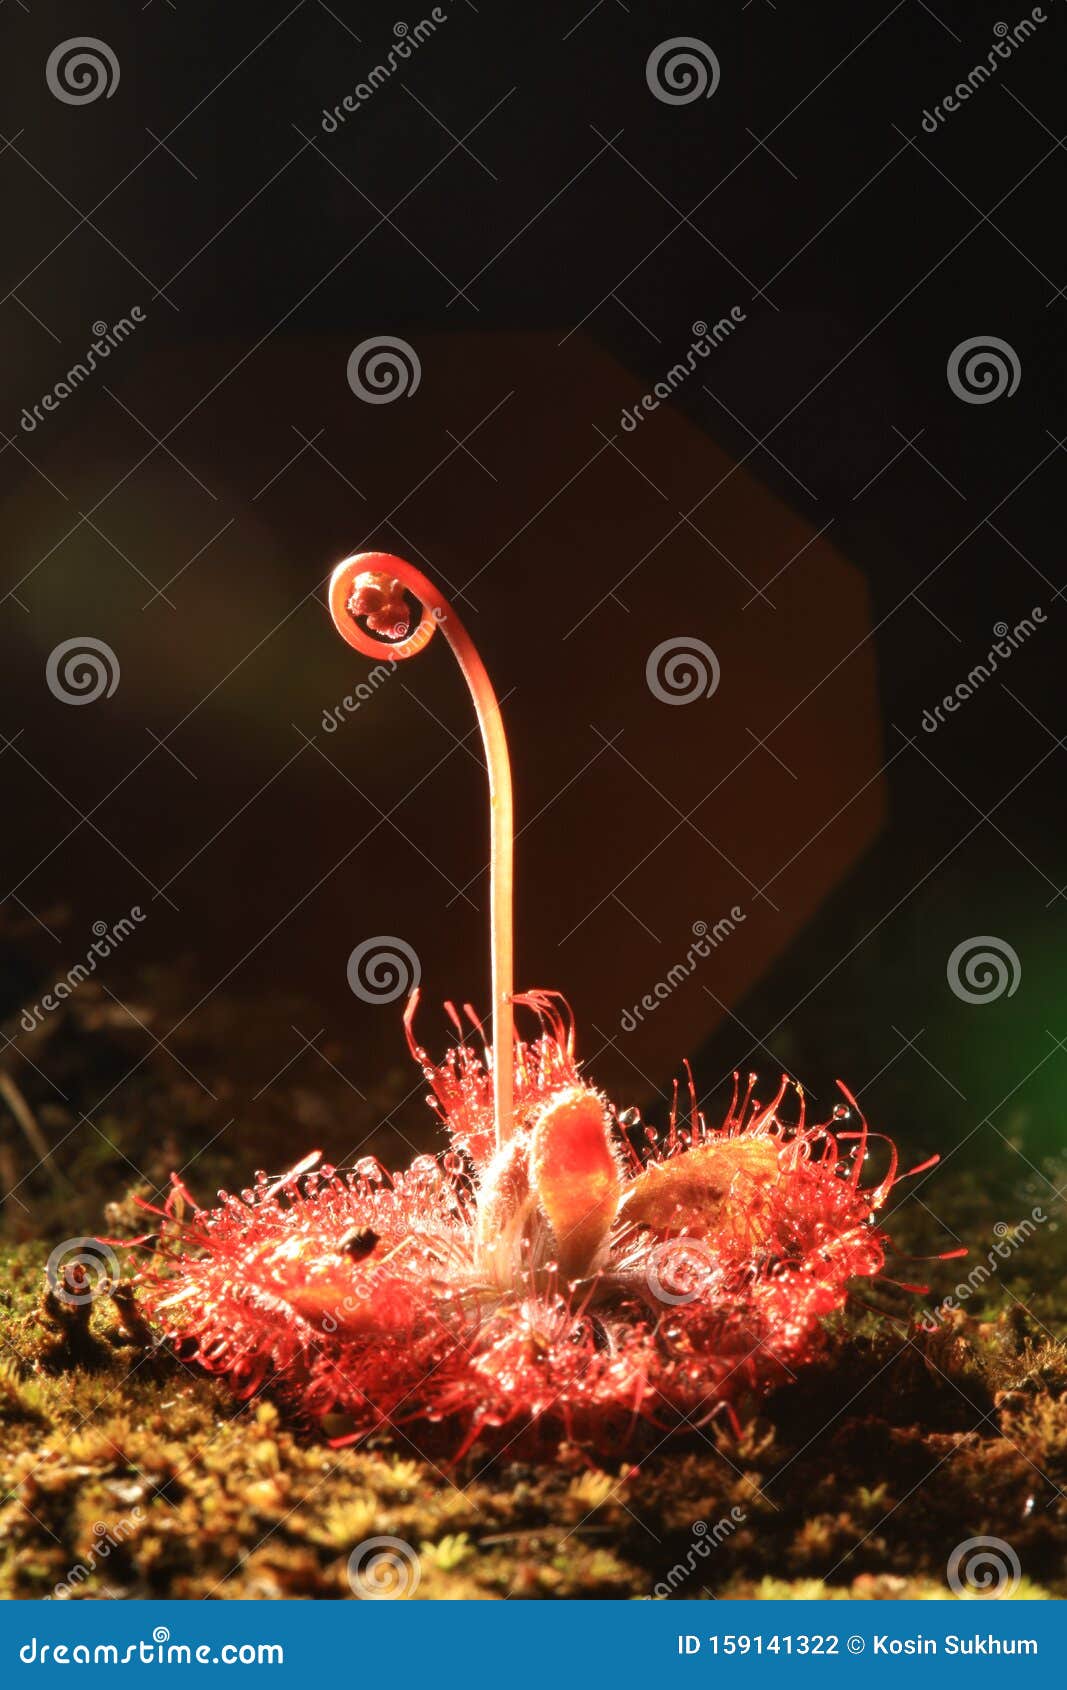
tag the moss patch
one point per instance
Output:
(123, 1473)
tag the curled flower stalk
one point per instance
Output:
(369, 588)
(560, 1272)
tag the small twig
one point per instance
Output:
(546, 1531)
(23, 1114)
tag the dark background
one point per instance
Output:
(544, 232)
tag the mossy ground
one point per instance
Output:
(123, 1473)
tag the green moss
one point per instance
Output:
(124, 1473)
(105, 1442)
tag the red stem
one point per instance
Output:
(436, 612)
